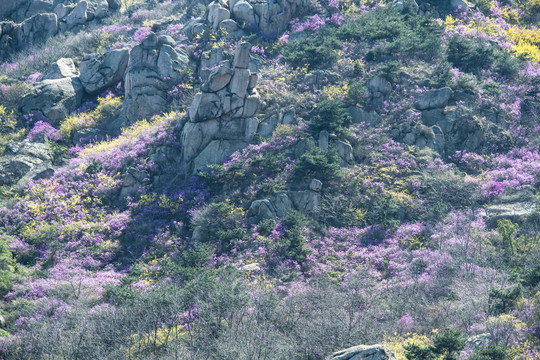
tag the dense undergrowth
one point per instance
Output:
(402, 249)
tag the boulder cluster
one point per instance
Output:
(44, 19)
(234, 17)
(221, 116)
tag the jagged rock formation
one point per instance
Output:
(25, 161)
(44, 19)
(364, 352)
(445, 126)
(153, 66)
(221, 116)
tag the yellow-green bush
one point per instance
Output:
(108, 108)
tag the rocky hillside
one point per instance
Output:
(270, 179)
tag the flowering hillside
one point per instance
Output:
(275, 179)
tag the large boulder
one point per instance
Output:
(218, 79)
(216, 152)
(98, 72)
(434, 99)
(25, 161)
(216, 14)
(364, 352)
(154, 66)
(54, 99)
(78, 16)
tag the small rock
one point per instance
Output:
(261, 209)
(243, 13)
(516, 211)
(365, 352)
(249, 268)
(380, 85)
(62, 68)
(315, 185)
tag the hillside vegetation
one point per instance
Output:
(269, 179)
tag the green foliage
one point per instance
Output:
(493, 352)
(417, 352)
(508, 230)
(292, 245)
(448, 343)
(532, 276)
(330, 115)
(384, 211)
(7, 267)
(313, 52)
(318, 164)
(502, 301)
(473, 56)
(107, 109)
(220, 223)
(394, 33)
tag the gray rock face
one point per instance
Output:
(218, 79)
(25, 161)
(361, 116)
(268, 16)
(221, 115)
(43, 19)
(78, 16)
(216, 152)
(62, 68)
(8, 7)
(315, 185)
(379, 89)
(154, 65)
(205, 106)
(434, 99)
(276, 205)
(364, 352)
(55, 99)
(100, 72)
(37, 29)
(306, 201)
(216, 14)
(446, 130)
